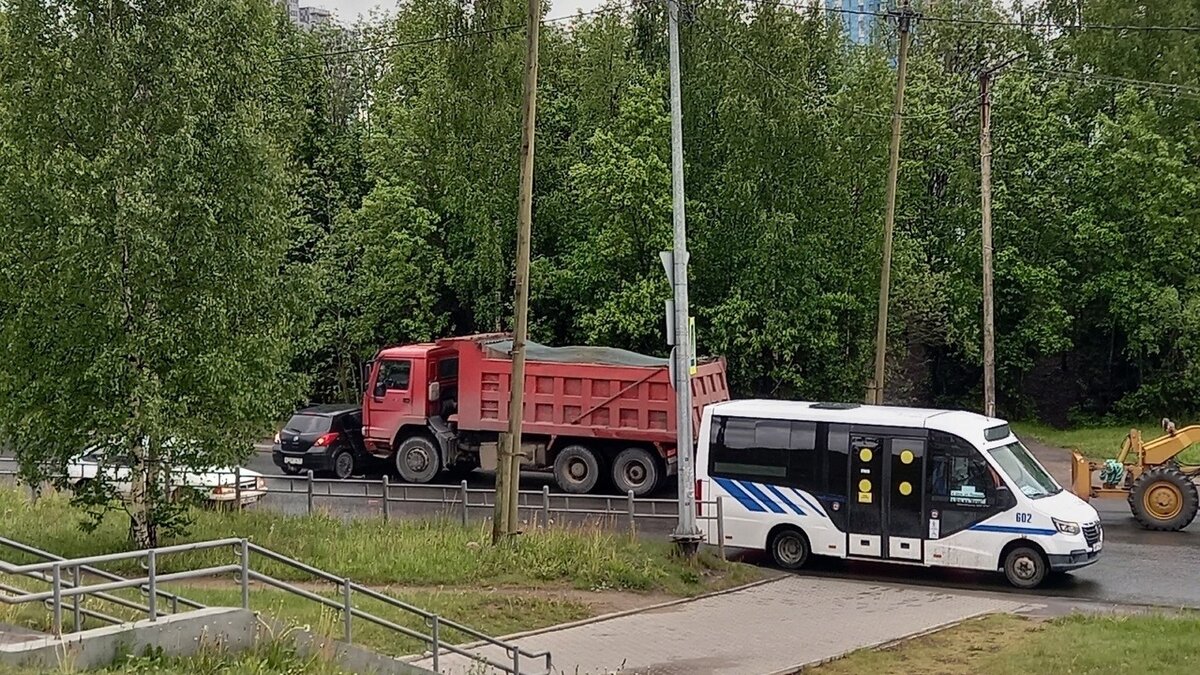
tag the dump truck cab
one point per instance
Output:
(410, 390)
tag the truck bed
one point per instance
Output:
(587, 392)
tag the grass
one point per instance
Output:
(371, 551)
(1011, 645)
(1102, 442)
(442, 567)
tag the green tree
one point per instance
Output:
(146, 198)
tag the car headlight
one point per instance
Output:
(260, 484)
(1066, 527)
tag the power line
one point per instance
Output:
(1065, 27)
(510, 28)
(993, 22)
(1166, 87)
(1150, 87)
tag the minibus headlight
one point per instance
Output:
(1066, 527)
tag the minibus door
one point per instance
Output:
(865, 524)
(902, 504)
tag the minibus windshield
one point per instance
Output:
(1025, 472)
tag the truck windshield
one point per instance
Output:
(1025, 472)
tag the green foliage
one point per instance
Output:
(389, 187)
(147, 205)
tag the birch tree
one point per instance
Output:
(145, 200)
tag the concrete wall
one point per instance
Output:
(183, 635)
(352, 658)
(176, 634)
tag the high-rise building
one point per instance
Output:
(857, 17)
(293, 9)
(315, 17)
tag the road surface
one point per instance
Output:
(1138, 566)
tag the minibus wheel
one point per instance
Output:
(1025, 567)
(789, 548)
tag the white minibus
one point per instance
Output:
(936, 488)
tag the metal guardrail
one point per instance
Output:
(461, 498)
(52, 571)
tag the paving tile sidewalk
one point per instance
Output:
(755, 631)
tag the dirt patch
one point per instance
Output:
(599, 602)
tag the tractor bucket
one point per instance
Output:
(1081, 476)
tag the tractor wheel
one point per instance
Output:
(1163, 498)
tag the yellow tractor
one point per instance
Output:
(1160, 490)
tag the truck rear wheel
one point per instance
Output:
(636, 470)
(576, 469)
(417, 460)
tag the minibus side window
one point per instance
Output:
(778, 452)
(962, 486)
(740, 450)
(838, 460)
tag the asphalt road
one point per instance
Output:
(1138, 566)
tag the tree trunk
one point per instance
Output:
(145, 495)
(143, 531)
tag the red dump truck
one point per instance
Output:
(591, 413)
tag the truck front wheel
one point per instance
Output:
(576, 469)
(636, 470)
(417, 459)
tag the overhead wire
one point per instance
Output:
(993, 22)
(951, 111)
(1149, 87)
(1124, 28)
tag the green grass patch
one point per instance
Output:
(1102, 442)
(1010, 645)
(371, 551)
(264, 659)
(501, 612)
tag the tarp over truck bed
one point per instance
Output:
(577, 354)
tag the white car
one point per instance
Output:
(216, 486)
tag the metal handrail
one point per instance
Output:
(62, 589)
(175, 600)
(83, 611)
(78, 610)
(398, 604)
(114, 557)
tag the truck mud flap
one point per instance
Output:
(445, 438)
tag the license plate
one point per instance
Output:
(293, 460)
(1097, 546)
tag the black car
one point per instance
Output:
(323, 438)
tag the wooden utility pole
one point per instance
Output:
(508, 473)
(904, 16)
(985, 205)
(985, 202)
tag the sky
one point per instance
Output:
(349, 10)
